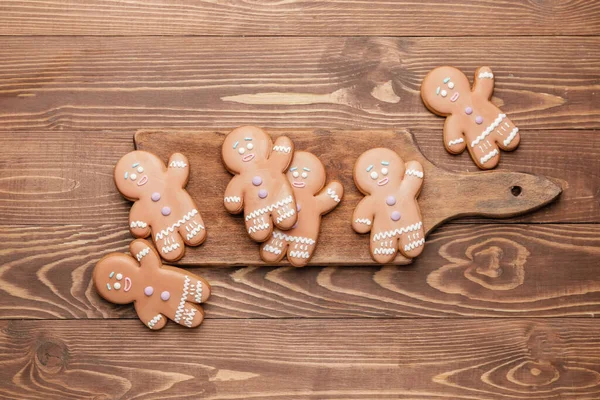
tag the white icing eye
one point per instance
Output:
(451, 85)
(384, 171)
(249, 146)
(119, 277)
(241, 150)
(295, 174)
(133, 177)
(140, 169)
(374, 175)
(304, 175)
(117, 286)
(444, 93)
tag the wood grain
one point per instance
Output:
(477, 270)
(66, 177)
(295, 17)
(125, 84)
(445, 195)
(295, 359)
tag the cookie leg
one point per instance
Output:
(259, 228)
(285, 215)
(198, 290)
(171, 247)
(193, 232)
(273, 250)
(412, 243)
(191, 316)
(508, 136)
(384, 251)
(299, 254)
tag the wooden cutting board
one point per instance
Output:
(445, 194)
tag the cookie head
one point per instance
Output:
(377, 169)
(137, 173)
(306, 172)
(443, 88)
(244, 146)
(115, 278)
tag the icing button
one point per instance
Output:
(479, 120)
(155, 196)
(390, 201)
(468, 111)
(262, 193)
(148, 290)
(165, 295)
(165, 211)
(257, 181)
(395, 215)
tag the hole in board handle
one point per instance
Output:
(516, 191)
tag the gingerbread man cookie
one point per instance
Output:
(158, 292)
(390, 210)
(162, 207)
(472, 120)
(307, 176)
(259, 186)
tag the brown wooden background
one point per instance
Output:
(491, 310)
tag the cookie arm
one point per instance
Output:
(178, 169)
(150, 317)
(362, 218)
(330, 197)
(483, 83)
(145, 255)
(454, 140)
(413, 178)
(138, 224)
(283, 151)
(234, 195)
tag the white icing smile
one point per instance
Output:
(127, 285)
(299, 184)
(383, 181)
(143, 181)
(248, 157)
(454, 97)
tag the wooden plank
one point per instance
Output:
(487, 270)
(66, 177)
(352, 18)
(125, 84)
(294, 359)
(444, 195)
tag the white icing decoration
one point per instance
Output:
(384, 171)
(189, 316)
(169, 248)
(119, 277)
(194, 231)
(511, 136)
(451, 85)
(171, 229)
(117, 286)
(197, 291)
(186, 286)
(299, 254)
(154, 321)
(142, 253)
(295, 174)
(414, 245)
(486, 75)
(283, 149)
(392, 233)
(333, 195)
(178, 164)
(304, 175)
(488, 130)
(414, 172)
(272, 249)
(138, 224)
(261, 211)
(374, 175)
(365, 221)
(285, 215)
(233, 199)
(388, 251)
(260, 227)
(133, 177)
(241, 150)
(298, 239)
(444, 93)
(488, 156)
(455, 141)
(249, 146)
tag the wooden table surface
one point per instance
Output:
(493, 309)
